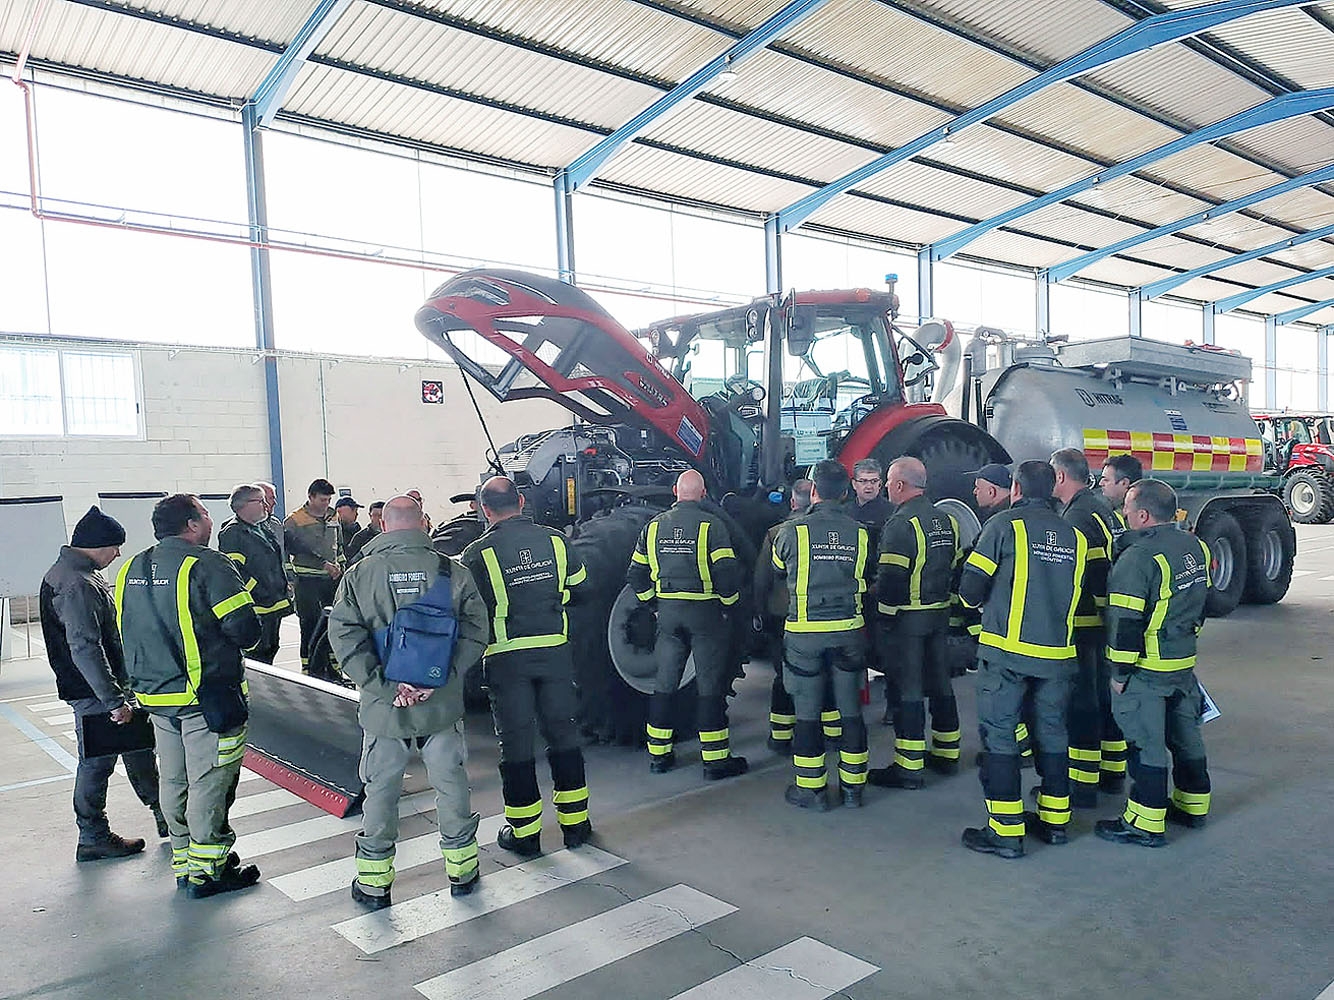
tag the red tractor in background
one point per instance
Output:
(1300, 448)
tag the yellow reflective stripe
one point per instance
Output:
(236, 556)
(653, 569)
(803, 573)
(712, 755)
(526, 642)
(894, 559)
(1208, 559)
(915, 581)
(572, 818)
(193, 665)
(523, 812)
(223, 608)
(1077, 753)
(1144, 818)
(1005, 807)
(644, 595)
(690, 595)
(777, 560)
(1087, 621)
(903, 744)
(639, 557)
(284, 603)
(779, 719)
(1025, 648)
(702, 558)
(558, 551)
(1152, 650)
(1121, 655)
(1128, 601)
(850, 757)
(577, 577)
(1192, 803)
(1081, 562)
(561, 796)
(307, 571)
(729, 601)
(839, 625)
(816, 783)
(502, 596)
(714, 735)
(719, 554)
(1019, 588)
(811, 762)
(1097, 552)
(859, 570)
(167, 699)
(1163, 666)
(1006, 829)
(978, 561)
(250, 584)
(120, 594)
(659, 734)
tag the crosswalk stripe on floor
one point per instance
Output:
(254, 845)
(548, 961)
(59, 720)
(436, 911)
(806, 969)
(251, 805)
(48, 706)
(339, 873)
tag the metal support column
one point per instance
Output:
(261, 287)
(1271, 361)
(1043, 303)
(1209, 314)
(773, 257)
(926, 284)
(1322, 366)
(564, 227)
(1136, 314)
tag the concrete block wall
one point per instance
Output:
(358, 422)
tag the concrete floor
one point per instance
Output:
(1240, 909)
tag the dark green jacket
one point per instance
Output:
(1025, 573)
(918, 552)
(259, 561)
(1155, 601)
(872, 515)
(185, 616)
(826, 557)
(395, 569)
(685, 554)
(527, 573)
(310, 541)
(353, 549)
(1093, 516)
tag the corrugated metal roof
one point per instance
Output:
(1287, 41)
(1301, 144)
(1052, 30)
(671, 173)
(1181, 84)
(1086, 121)
(921, 185)
(891, 222)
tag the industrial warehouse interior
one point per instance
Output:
(584, 325)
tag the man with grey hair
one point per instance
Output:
(271, 519)
(247, 542)
(399, 567)
(869, 506)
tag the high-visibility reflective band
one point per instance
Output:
(894, 559)
(251, 584)
(564, 795)
(180, 860)
(777, 561)
(659, 749)
(708, 756)
(829, 715)
(717, 555)
(817, 782)
(803, 574)
(223, 608)
(1088, 621)
(527, 642)
(1208, 559)
(838, 625)
(780, 719)
(1083, 777)
(193, 665)
(1113, 746)
(639, 557)
(978, 561)
(859, 568)
(1143, 818)
(518, 814)
(501, 594)
(713, 745)
(1021, 732)
(909, 763)
(1078, 753)
(903, 744)
(651, 544)
(1193, 803)
(730, 600)
(1052, 810)
(644, 595)
(975, 630)
(1006, 829)
(689, 595)
(811, 762)
(915, 580)
(1025, 648)
(577, 577)
(1152, 650)
(284, 603)
(1081, 561)
(561, 557)
(120, 594)
(1095, 553)
(461, 863)
(1166, 666)
(713, 735)
(887, 609)
(1128, 601)
(1005, 807)
(235, 557)
(702, 558)
(854, 757)
(307, 571)
(1121, 655)
(231, 748)
(851, 777)
(659, 734)
(377, 873)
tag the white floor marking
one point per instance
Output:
(59, 720)
(336, 875)
(48, 706)
(1297, 574)
(47, 745)
(250, 805)
(547, 961)
(28, 697)
(806, 969)
(280, 838)
(1327, 993)
(248, 775)
(436, 911)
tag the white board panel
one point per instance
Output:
(135, 513)
(219, 508)
(32, 529)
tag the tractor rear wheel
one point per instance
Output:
(1309, 494)
(950, 450)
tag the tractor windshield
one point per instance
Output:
(849, 367)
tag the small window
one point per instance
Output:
(46, 392)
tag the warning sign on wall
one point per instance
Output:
(433, 391)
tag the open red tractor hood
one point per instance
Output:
(564, 347)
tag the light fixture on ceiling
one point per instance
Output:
(728, 74)
(947, 136)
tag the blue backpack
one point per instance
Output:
(417, 647)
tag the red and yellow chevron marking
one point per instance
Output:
(1175, 452)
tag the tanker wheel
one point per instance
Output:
(1227, 545)
(948, 458)
(1309, 494)
(1271, 549)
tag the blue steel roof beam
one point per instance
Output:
(1301, 312)
(1059, 272)
(273, 89)
(1241, 298)
(586, 166)
(1279, 109)
(1160, 29)
(1165, 285)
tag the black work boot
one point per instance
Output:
(525, 847)
(368, 899)
(114, 846)
(465, 888)
(894, 777)
(228, 879)
(728, 767)
(807, 798)
(577, 834)
(1175, 814)
(942, 765)
(1118, 831)
(1046, 832)
(984, 840)
(661, 764)
(852, 796)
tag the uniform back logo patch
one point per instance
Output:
(833, 538)
(678, 534)
(526, 556)
(1191, 564)
(1051, 539)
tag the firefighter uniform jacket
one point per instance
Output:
(1026, 572)
(685, 554)
(185, 616)
(919, 550)
(527, 573)
(259, 561)
(826, 558)
(1095, 519)
(311, 541)
(1155, 601)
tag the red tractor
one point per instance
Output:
(1298, 447)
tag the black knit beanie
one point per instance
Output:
(96, 530)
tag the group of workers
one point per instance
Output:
(1085, 618)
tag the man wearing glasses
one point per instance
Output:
(247, 542)
(870, 505)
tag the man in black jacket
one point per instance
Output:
(84, 650)
(247, 541)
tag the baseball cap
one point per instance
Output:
(346, 502)
(994, 473)
(377, 505)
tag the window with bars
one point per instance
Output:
(50, 392)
